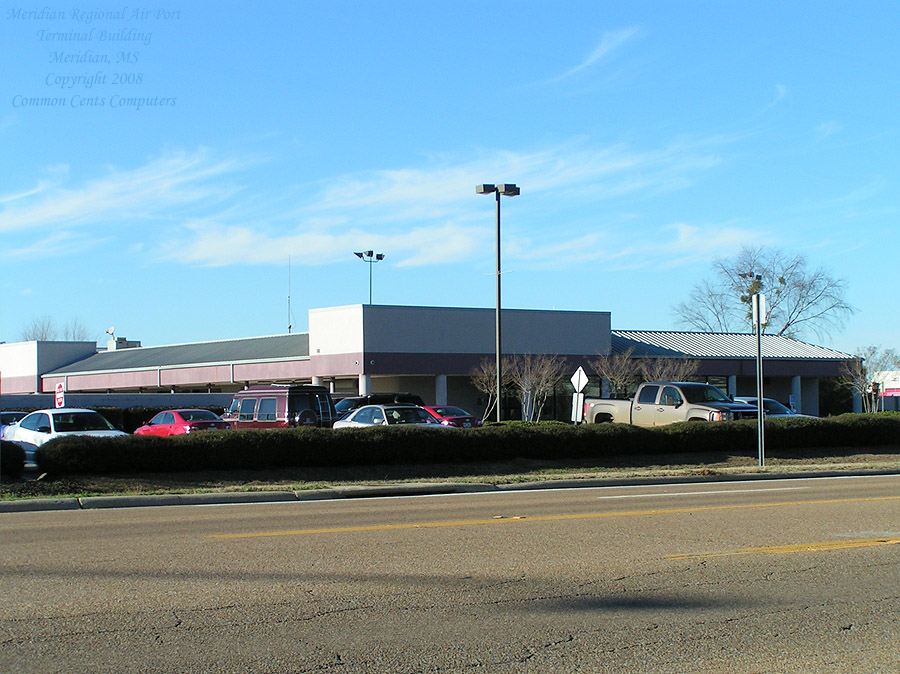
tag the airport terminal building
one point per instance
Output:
(430, 351)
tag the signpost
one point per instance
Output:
(579, 381)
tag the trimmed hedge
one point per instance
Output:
(301, 447)
(12, 460)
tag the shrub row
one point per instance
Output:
(12, 460)
(302, 447)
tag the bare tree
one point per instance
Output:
(620, 370)
(44, 329)
(535, 377)
(863, 376)
(40, 329)
(669, 369)
(484, 378)
(75, 331)
(799, 300)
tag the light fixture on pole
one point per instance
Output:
(371, 257)
(506, 190)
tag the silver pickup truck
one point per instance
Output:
(658, 403)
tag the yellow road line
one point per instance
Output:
(546, 518)
(793, 549)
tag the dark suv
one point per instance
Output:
(352, 402)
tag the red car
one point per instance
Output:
(449, 415)
(177, 422)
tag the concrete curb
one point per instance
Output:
(37, 504)
(96, 502)
(240, 497)
(376, 491)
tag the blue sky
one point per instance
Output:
(165, 190)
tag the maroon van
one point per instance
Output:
(281, 406)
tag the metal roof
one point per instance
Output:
(646, 344)
(254, 349)
(649, 344)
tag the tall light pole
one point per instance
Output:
(371, 257)
(506, 190)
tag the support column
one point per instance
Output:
(797, 393)
(732, 385)
(317, 381)
(365, 384)
(440, 389)
(604, 388)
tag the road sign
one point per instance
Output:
(578, 407)
(60, 395)
(579, 379)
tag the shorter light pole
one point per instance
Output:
(371, 257)
(760, 317)
(759, 323)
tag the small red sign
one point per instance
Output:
(60, 395)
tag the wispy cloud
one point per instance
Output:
(174, 180)
(609, 43)
(423, 215)
(52, 245)
(781, 93)
(828, 128)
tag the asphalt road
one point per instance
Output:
(773, 576)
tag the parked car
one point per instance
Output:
(41, 426)
(8, 418)
(178, 422)
(350, 403)
(369, 416)
(281, 406)
(771, 407)
(448, 415)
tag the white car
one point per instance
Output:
(41, 426)
(388, 415)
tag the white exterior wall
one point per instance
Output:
(18, 368)
(22, 363)
(336, 330)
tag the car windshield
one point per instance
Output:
(345, 405)
(407, 415)
(703, 393)
(67, 422)
(775, 407)
(198, 415)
